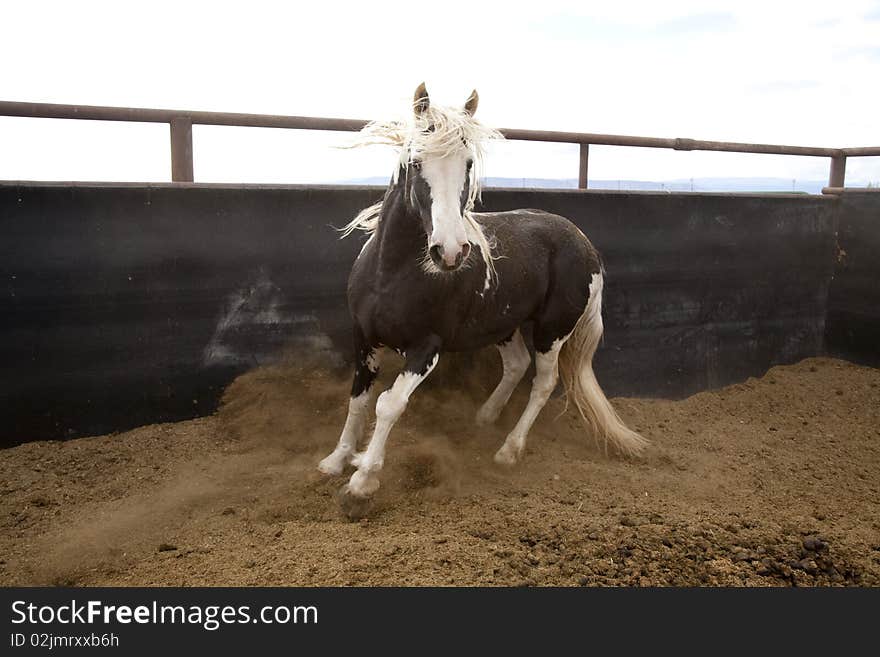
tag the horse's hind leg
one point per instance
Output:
(516, 359)
(366, 369)
(546, 376)
(389, 407)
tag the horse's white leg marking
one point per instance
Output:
(516, 359)
(546, 376)
(389, 407)
(334, 463)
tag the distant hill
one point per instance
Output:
(685, 185)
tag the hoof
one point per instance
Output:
(363, 484)
(507, 456)
(486, 416)
(332, 465)
(353, 506)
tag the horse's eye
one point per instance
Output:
(470, 164)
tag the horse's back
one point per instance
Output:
(518, 233)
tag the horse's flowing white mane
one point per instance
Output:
(434, 133)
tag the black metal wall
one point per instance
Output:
(853, 323)
(128, 304)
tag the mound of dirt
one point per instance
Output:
(775, 481)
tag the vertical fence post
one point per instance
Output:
(181, 150)
(584, 162)
(838, 171)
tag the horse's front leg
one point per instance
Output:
(366, 369)
(420, 361)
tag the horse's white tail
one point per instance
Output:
(581, 386)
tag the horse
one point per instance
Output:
(435, 276)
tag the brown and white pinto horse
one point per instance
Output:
(434, 276)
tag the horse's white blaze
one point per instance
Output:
(389, 407)
(434, 134)
(516, 359)
(446, 176)
(546, 376)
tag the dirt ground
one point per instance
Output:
(775, 481)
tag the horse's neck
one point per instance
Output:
(400, 236)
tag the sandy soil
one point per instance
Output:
(774, 481)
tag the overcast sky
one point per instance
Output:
(803, 73)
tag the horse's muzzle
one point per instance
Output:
(444, 262)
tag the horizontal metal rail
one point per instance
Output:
(181, 122)
(866, 151)
(143, 115)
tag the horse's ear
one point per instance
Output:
(421, 102)
(471, 105)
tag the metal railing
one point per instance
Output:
(182, 121)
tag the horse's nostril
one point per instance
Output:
(436, 253)
(465, 251)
